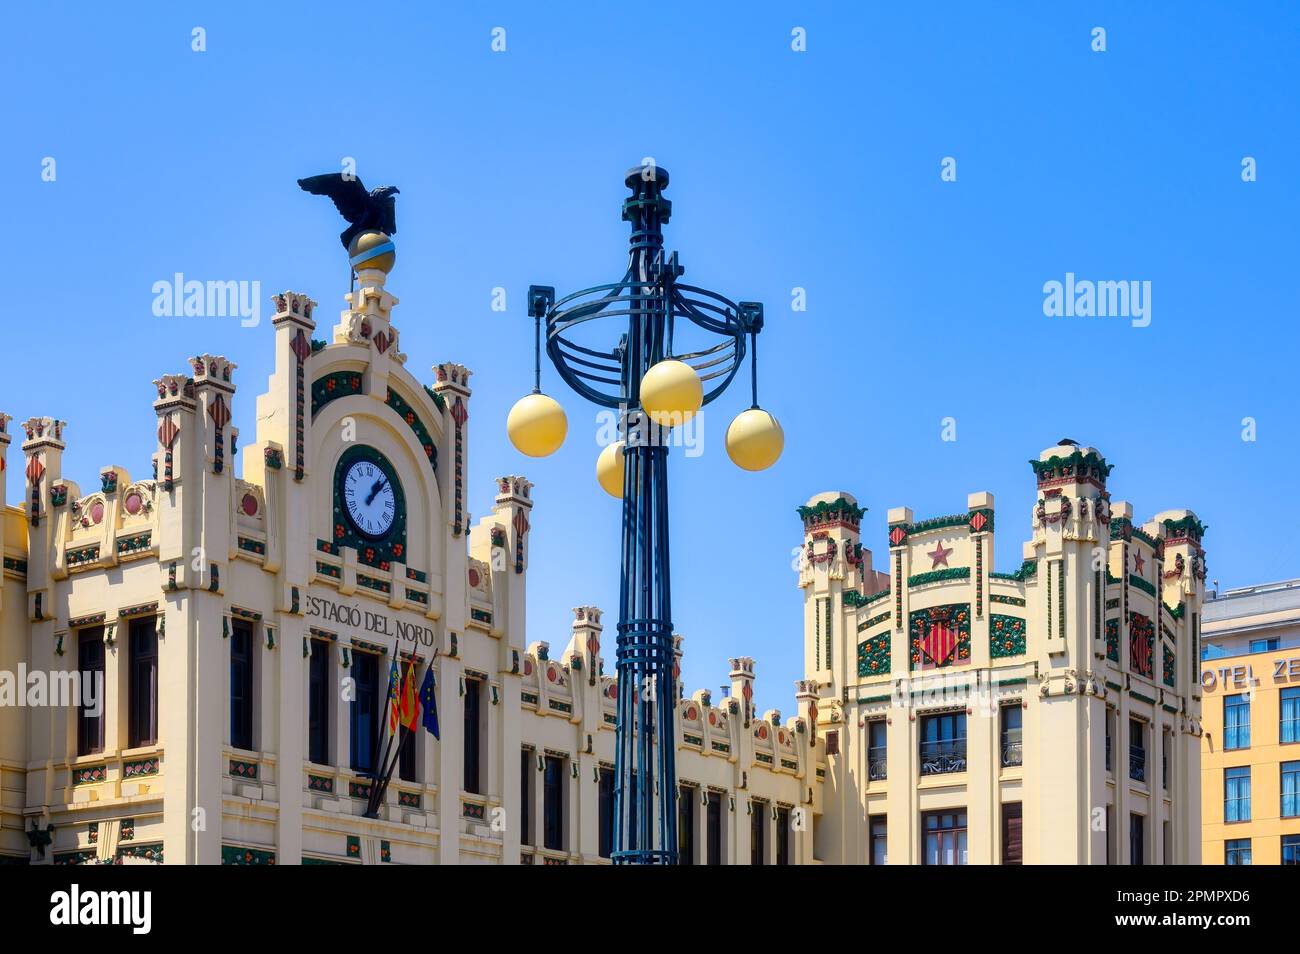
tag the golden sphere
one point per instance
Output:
(755, 439)
(671, 393)
(537, 425)
(609, 469)
(372, 250)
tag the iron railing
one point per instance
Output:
(941, 758)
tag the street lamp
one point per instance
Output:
(655, 388)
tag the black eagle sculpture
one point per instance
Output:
(364, 210)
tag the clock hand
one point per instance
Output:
(379, 485)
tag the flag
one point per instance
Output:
(393, 682)
(410, 713)
(429, 699)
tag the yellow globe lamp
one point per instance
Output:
(755, 439)
(537, 425)
(609, 469)
(671, 393)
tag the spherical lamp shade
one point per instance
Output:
(755, 440)
(537, 425)
(671, 393)
(609, 469)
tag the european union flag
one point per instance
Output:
(429, 699)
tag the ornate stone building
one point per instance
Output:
(244, 628)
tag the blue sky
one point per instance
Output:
(816, 169)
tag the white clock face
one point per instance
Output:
(370, 498)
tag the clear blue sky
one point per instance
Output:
(818, 169)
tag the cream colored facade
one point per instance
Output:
(1251, 667)
(1096, 629)
(196, 553)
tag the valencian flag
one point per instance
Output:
(410, 708)
(394, 680)
(429, 699)
(940, 642)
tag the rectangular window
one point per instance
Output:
(1236, 851)
(606, 812)
(142, 683)
(364, 723)
(1109, 720)
(1290, 789)
(783, 836)
(943, 743)
(877, 750)
(90, 662)
(686, 796)
(1236, 794)
(1289, 715)
(1167, 841)
(1165, 741)
(1264, 645)
(320, 689)
(945, 838)
(473, 706)
(1236, 722)
(1012, 742)
(878, 828)
(1012, 827)
(553, 804)
(713, 813)
(1137, 839)
(1291, 849)
(1137, 750)
(241, 684)
(757, 831)
(526, 799)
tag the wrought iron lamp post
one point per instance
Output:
(654, 387)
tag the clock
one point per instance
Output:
(369, 495)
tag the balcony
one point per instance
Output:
(1013, 753)
(877, 764)
(942, 758)
(1137, 763)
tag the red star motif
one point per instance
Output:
(939, 555)
(1138, 562)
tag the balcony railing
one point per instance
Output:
(877, 764)
(1013, 752)
(940, 758)
(1137, 764)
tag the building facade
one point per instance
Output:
(1250, 760)
(1050, 715)
(242, 625)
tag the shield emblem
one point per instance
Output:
(167, 431)
(940, 642)
(301, 346)
(521, 522)
(219, 413)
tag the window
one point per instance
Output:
(1109, 719)
(553, 804)
(1012, 827)
(1165, 742)
(364, 723)
(878, 828)
(877, 750)
(90, 662)
(1236, 722)
(943, 743)
(783, 836)
(142, 683)
(526, 801)
(1236, 851)
(757, 831)
(241, 684)
(1011, 737)
(945, 838)
(473, 706)
(1137, 750)
(1264, 645)
(319, 692)
(713, 817)
(606, 812)
(1289, 724)
(1291, 849)
(1236, 794)
(1137, 839)
(1290, 789)
(686, 796)
(1167, 843)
